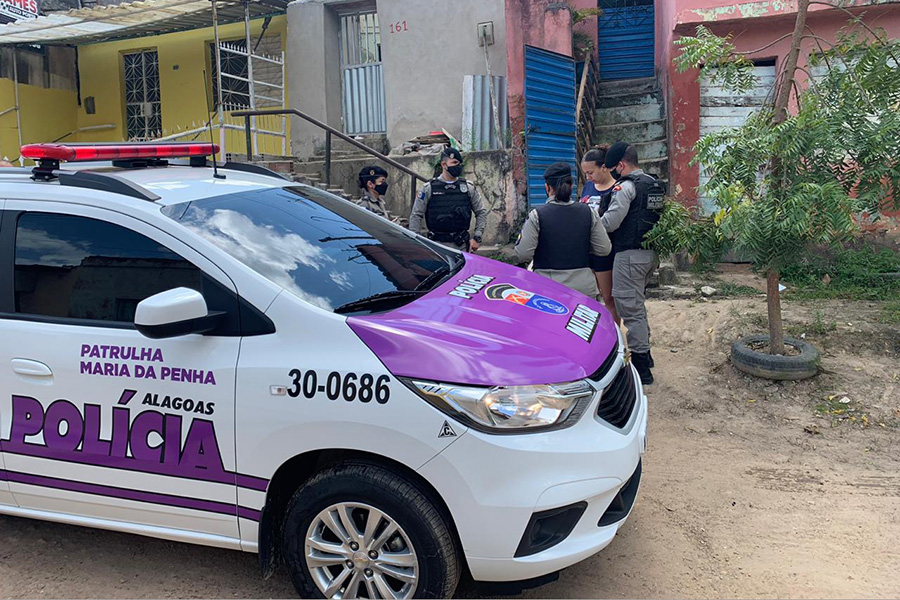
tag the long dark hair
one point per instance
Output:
(596, 155)
(563, 190)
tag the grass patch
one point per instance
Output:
(818, 326)
(851, 274)
(728, 288)
(890, 313)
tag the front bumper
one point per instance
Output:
(493, 484)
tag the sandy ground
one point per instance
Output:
(750, 489)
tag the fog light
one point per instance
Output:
(549, 527)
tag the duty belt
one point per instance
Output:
(460, 238)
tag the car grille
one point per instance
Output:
(618, 399)
(600, 373)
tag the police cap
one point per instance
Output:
(370, 173)
(451, 153)
(615, 154)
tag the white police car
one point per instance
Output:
(236, 360)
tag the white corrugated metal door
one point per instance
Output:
(721, 108)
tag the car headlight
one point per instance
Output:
(512, 409)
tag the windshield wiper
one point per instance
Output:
(380, 298)
(437, 276)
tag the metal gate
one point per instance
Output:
(549, 116)
(143, 115)
(626, 39)
(361, 75)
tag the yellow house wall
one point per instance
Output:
(183, 57)
(47, 114)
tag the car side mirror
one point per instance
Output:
(174, 313)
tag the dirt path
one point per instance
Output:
(750, 489)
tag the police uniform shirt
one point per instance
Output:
(623, 195)
(417, 217)
(373, 204)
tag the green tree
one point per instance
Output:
(796, 173)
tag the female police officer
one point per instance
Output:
(373, 183)
(562, 234)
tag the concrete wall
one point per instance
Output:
(543, 24)
(424, 66)
(47, 114)
(490, 171)
(314, 71)
(424, 61)
(752, 25)
(47, 97)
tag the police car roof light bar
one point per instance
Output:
(118, 152)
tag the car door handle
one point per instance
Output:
(32, 368)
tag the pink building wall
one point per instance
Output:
(541, 23)
(752, 25)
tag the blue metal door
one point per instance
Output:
(626, 39)
(549, 116)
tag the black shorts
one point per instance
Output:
(602, 263)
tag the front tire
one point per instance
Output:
(361, 530)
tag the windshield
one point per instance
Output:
(325, 250)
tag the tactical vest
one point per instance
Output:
(450, 206)
(643, 213)
(564, 241)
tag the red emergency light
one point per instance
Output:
(102, 152)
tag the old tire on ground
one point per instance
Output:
(774, 366)
(423, 551)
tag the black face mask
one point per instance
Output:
(615, 173)
(381, 188)
(455, 170)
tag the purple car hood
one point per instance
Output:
(492, 324)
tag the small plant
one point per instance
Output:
(582, 43)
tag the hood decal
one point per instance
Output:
(510, 293)
(492, 324)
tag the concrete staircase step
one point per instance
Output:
(627, 99)
(658, 166)
(636, 131)
(377, 142)
(625, 86)
(651, 150)
(629, 114)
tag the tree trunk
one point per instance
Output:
(773, 304)
(773, 296)
(790, 65)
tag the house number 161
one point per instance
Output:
(399, 26)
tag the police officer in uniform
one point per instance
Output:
(373, 183)
(561, 235)
(446, 204)
(635, 208)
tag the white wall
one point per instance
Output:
(425, 61)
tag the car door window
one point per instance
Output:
(77, 268)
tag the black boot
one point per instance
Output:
(641, 363)
(650, 355)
